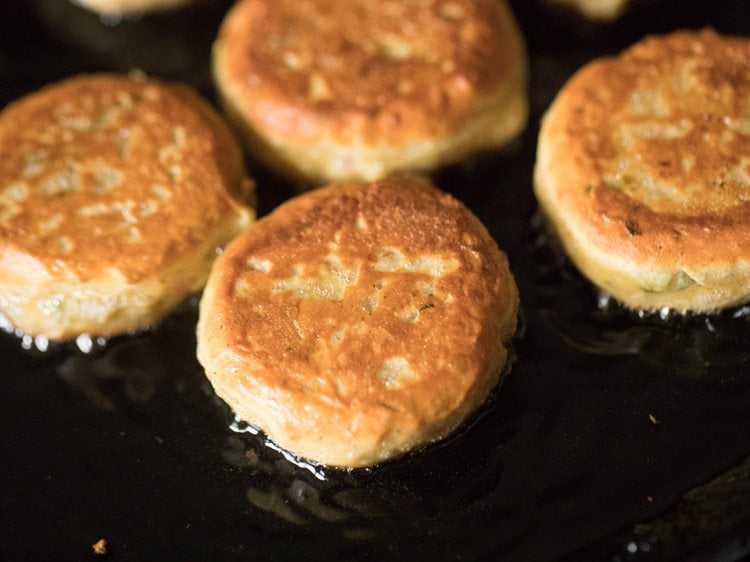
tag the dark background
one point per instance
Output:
(615, 437)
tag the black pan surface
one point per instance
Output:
(615, 437)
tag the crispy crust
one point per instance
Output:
(643, 168)
(114, 194)
(358, 321)
(323, 89)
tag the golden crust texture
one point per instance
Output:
(324, 89)
(358, 321)
(128, 7)
(643, 168)
(114, 194)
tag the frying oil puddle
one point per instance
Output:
(297, 491)
(592, 322)
(122, 370)
(238, 426)
(125, 373)
(469, 468)
(352, 503)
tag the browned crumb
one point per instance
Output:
(653, 419)
(649, 499)
(100, 547)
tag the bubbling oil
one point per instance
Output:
(590, 321)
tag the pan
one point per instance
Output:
(616, 435)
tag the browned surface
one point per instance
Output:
(304, 332)
(104, 173)
(376, 71)
(647, 156)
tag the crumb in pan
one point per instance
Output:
(100, 547)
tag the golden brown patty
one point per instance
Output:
(118, 7)
(358, 321)
(644, 170)
(325, 89)
(114, 194)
